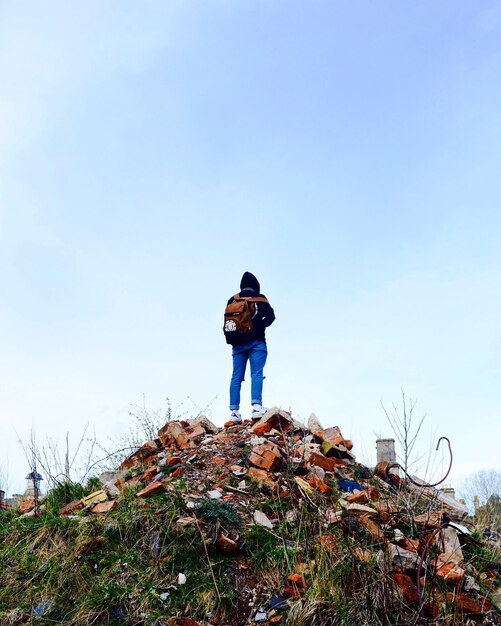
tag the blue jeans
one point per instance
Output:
(255, 352)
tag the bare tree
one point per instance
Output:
(406, 430)
(482, 493)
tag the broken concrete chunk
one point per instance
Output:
(402, 559)
(314, 424)
(215, 494)
(206, 424)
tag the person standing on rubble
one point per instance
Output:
(247, 316)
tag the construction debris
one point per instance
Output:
(411, 529)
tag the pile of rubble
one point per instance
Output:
(416, 531)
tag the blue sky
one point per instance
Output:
(347, 153)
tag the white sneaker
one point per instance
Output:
(258, 411)
(235, 417)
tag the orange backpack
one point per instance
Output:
(238, 317)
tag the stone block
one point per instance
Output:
(402, 559)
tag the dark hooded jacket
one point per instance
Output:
(263, 316)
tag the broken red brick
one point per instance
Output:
(408, 587)
(319, 484)
(293, 591)
(468, 606)
(265, 456)
(298, 580)
(276, 419)
(177, 472)
(151, 490)
(409, 544)
(219, 460)
(261, 476)
(173, 460)
(261, 428)
(362, 497)
(104, 507)
(71, 507)
(451, 572)
(326, 463)
(225, 544)
(373, 528)
(26, 505)
(430, 609)
(148, 475)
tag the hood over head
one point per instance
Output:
(249, 281)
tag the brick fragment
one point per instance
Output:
(151, 490)
(173, 460)
(298, 580)
(71, 507)
(177, 472)
(468, 606)
(137, 458)
(226, 544)
(451, 571)
(104, 507)
(292, 591)
(409, 544)
(265, 456)
(262, 477)
(261, 429)
(219, 460)
(276, 419)
(149, 474)
(373, 528)
(362, 497)
(319, 484)
(408, 587)
(26, 505)
(327, 463)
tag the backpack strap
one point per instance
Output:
(257, 299)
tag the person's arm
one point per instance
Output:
(264, 314)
